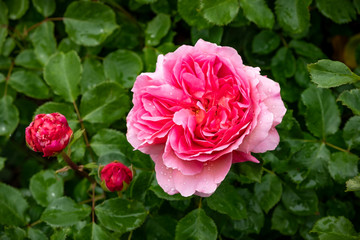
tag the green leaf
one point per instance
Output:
(309, 166)
(302, 203)
(219, 12)
(250, 170)
(255, 217)
(14, 233)
(351, 99)
(159, 192)
(156, 29)
(302, 77)
(120, 215)
(110, 141)
(66, 45)
(357, 5)
(283, 221)
(65, 212)
(76, 136)
(45, 187)
(12, 206)
(189, 10)
(327, 74)
(36, 234)
(3, 35)
(123, 66)
(160, 227)
(94, 232)
(17, 8)
(293, 16)
(307, 50)
(353, 184)
(351, 133)
(63, 73)
(258, 12)
(338, 11)
(322, 116)
(27, 59)
(213, 34)
(343, 166)
(30, 84)
(268, 192)
(265, 42)
(283, 64)
(44, 42)
(105, 103)
(140, 184)
(93, 74)
(9, 116)
(196, 225)
(2, 162)
(331, 228)
(3, 14)
(89, 23)
(45, 7)
(227, 200)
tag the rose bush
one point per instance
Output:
(48, 133)
(115, 176)
(199, 112)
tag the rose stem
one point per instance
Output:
(76, 167)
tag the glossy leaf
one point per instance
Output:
(219, 12)
(339, 12)
(105, 103)
(161, 227)
(268, 192)
(4, 13)
(343, 166)
(45, 7)
(30, 84)
(123, 66)
(189, 11)
(89, 23)
(307, 50)
(265, 42)
(2, 162)
(322, 115)
(302, 203)
(94, 232)
(156, 29)
(140, 184)
(13, 206)
(335, 228)
(258, 12)
(293, 16)
(9, 116)
(46, 186)
(351, 133)
(93, 74)
(120, 215)
(36, 234)
(283, 64)
(213, 34)
(196, 225)
(353, 184)
(65, 212)
(62, 73)
(351, 99)
(309, 166)
(327, 73)
(44, 42)
(283, 221)
(228, 201)
(27, 59)
(17, 8)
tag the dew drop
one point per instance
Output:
(172, 189)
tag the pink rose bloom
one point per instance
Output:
(48, 133)
(201, 111)
(115, 176)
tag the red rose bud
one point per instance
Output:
(48, 133)
(115, 176)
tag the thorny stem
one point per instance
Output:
(76, 167)
(84, 130)
(96, 198)
(26, 32)
(8, 77)
(93, 185)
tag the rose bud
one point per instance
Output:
(115, 176)
(48, 133)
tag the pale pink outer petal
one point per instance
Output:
(243, 157)
(205, 182)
